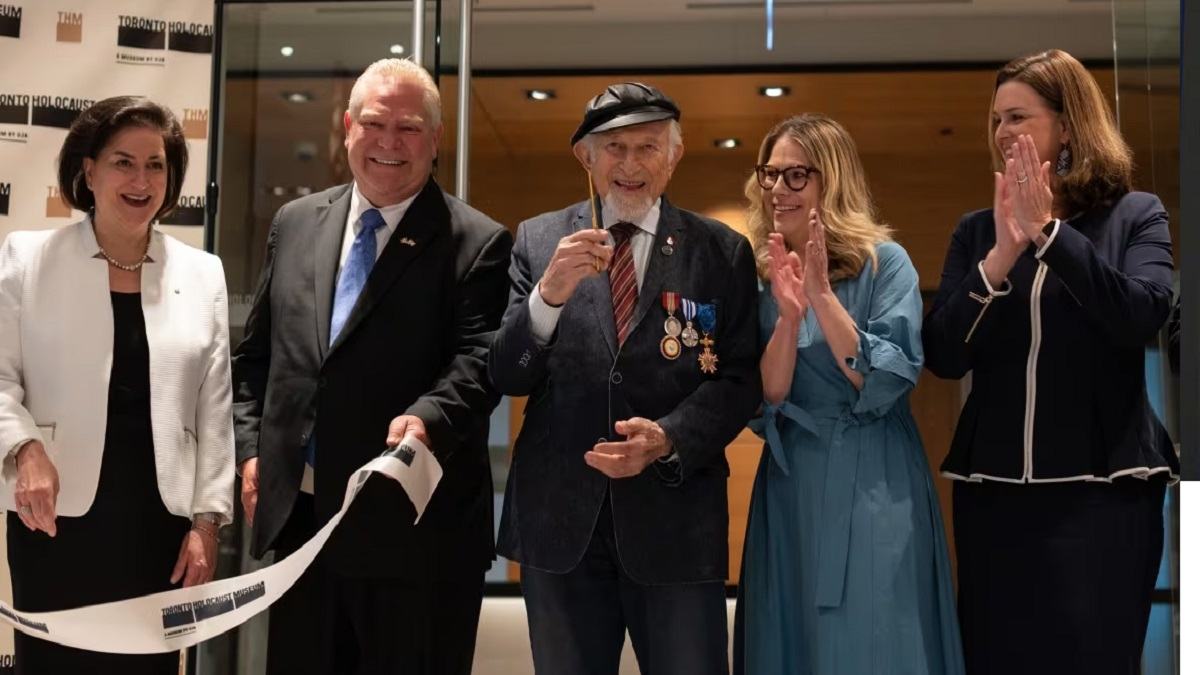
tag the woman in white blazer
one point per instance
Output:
(115, 418)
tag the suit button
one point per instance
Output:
(322, 382)
(616, 378)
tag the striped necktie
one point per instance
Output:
(622, 278)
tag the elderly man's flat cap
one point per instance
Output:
(623, 105)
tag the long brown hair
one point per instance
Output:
(1101, 162)
(851, 229)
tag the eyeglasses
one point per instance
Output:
(795, 177)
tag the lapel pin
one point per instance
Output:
(669, 247)
(407, 242)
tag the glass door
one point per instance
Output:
(1146, 61)
(285, 74)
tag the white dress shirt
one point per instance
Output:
(543, 318)
(392, 215)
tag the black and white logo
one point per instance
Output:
(140, 32)
(194, 38)
(57, 111)
(14, 108)
(189, 212)
(10, 21)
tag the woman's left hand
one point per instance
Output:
(1029, 187)
(197, 559)
(816, 262)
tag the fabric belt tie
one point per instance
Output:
(841, 474)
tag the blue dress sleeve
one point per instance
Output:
(889, 338)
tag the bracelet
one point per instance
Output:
(211, 533)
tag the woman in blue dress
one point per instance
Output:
(845, 568)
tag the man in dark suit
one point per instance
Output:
(372, 321)
(616, 500)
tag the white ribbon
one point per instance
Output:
(172, 620)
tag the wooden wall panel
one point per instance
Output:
(921, 135)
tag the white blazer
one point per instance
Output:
(56, 346)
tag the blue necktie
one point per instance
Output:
(354, 271)
(349, 285)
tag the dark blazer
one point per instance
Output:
(416, 343)
(671, 521)
(1076, 409)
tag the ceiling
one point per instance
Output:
(573, 35)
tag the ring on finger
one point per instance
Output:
(1022, 179)
(26, 509)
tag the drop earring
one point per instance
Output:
(1063, 166)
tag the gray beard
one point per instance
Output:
(628, 211)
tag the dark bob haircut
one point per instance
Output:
(96, 126)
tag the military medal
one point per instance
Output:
(669, 346)
(689, 335)
(670, 300)
(708, 360)
(706, 316)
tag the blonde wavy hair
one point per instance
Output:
(852, 230)
(1101, 162)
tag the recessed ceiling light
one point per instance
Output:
(279, 191)
(286, 50)
(396, 49)
(298, 96)
(774, 92)
(539, 94)
(726, 143)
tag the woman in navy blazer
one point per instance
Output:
(1048, 300)
(115, 421)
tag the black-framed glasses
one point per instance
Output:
(795, 177)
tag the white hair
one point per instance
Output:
(674, 142)
(397, 70)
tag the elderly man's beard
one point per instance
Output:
(627, 209)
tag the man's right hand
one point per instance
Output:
(250, 488)
(577, 257)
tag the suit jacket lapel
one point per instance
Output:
(327, 249)
(426, 219)
(659, 265)
(595, 290)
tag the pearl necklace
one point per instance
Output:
(122, 266)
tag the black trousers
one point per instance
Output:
(1056, 578)
(332, 624)
(577, 620)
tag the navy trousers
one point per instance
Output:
(578, 620)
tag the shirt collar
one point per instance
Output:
(648, 223)
(392, 215)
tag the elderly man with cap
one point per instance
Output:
(633, 332)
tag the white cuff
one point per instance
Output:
(12, 452)
(1049, 240)
(543, 319)
(1005, 290)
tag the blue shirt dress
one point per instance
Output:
(846, 570)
